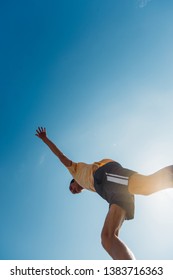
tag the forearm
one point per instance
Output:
(67, 162)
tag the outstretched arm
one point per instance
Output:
(41, 133)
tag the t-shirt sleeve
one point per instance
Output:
(73, 168)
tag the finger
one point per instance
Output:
(37, 131)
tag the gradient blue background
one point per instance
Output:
(98, 75)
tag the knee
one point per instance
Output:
(106, 239)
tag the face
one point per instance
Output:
(75, 187)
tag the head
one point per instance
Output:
(75, 187)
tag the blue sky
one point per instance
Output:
(98, 75)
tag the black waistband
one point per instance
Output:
(113, 163)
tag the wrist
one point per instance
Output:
(44, 139)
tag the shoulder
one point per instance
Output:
(72, 167)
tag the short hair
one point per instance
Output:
(72, 181)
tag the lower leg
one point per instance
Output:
(118, 250)
(146, 185)
(110, 241)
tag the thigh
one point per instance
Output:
(114, 219)
(146, 185)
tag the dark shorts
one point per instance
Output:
(111, 183)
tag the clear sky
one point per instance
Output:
(98, 75)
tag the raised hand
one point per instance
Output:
(41, 132)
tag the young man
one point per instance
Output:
(115, 184)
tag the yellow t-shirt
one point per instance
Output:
(83, 173)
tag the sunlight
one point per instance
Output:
(158, 205)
